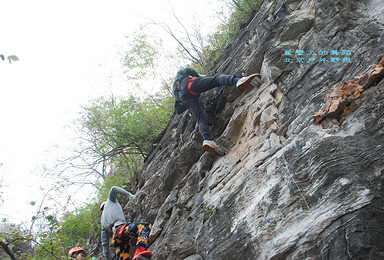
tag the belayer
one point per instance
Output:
(187, 87)
(79, 253)
(114, 226)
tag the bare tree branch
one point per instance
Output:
(185, 30)
(169, 31)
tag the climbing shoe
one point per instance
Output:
(246, 82)
(210, 147)
(140, 251)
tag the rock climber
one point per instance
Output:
(187, 87)
(114, 226)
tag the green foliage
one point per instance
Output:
(75, 229)
(50, 246)
(126, 128)
(150, 64)
(141, 57)
(16, 240)
(79, 226)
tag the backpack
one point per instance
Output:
(179, 105)
(120, 236)
(182, 74)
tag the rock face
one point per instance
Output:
(287, 188)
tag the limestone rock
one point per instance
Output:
(298, 23)
(288, 188)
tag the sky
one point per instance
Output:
(69, 53)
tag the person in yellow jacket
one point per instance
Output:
(115, 227)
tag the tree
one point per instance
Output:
(124, 129)
(115, 136)
(14, 241)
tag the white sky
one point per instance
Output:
(68, 55)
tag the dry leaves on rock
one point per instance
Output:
(337, 101)
(377, 69)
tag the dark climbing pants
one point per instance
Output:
(122, 234)
(193, 103)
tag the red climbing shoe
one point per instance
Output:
(245, 82)
(210, 146)
(140, 251)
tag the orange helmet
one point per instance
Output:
(75, 250)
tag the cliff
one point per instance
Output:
(303, 177)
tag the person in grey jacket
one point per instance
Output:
(115, 227)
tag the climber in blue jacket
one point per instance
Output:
(114, 225)
(187, 87)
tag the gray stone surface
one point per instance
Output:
(288, 188)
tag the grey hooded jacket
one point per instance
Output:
(112, 215)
